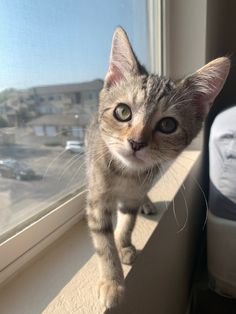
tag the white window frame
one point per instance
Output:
(157, 32)
(27, 243)
(22, 247)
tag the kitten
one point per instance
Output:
(143, 121)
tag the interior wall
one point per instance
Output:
(221, 30)
(220, 41)
(185, 38)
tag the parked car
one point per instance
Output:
(11, 168)
(74, 147)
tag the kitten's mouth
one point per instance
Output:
(132, 157)
(129, 158)
(136, 158)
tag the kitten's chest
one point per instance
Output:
(129, 189)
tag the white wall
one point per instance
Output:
(185, 38)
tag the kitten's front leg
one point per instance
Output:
(125, 225)
(148, 208)
(111, 287)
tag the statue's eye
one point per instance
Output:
(167, 125)
(122, 113)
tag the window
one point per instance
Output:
(39, 130)
(77, 132)
(51, 131)
(78, 97)
(65, 53)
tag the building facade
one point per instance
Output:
(51, 114)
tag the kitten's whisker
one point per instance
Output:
(77, 170)
(173, 203)
(186, 207)
(69, 164)
(185, 201)
(184, 198)
(150, 180)
(73, 177)
(205, 200)
(52, 162)
(180, 103)
(112, 136)
(145, 178)
(201, 190)
(180, 96)
(109, 165)
(139, 176)
(149, 176)
(162, 175)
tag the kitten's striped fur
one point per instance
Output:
(118, 178)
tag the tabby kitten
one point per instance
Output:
(143, 121)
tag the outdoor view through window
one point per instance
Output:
(53, 57)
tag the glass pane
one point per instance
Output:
(53, 58)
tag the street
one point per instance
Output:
(57, 173)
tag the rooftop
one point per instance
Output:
(67, 88)
(59, 119)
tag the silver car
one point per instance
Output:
(74, 147)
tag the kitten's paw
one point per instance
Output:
(148, 208)
(128, 254)
(110, 293)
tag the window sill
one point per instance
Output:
(17, 250)
(62, 279)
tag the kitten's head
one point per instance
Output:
(145, 119)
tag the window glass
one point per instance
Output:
(53, 58)
(77, 132)
(51, 130)
(38, 130)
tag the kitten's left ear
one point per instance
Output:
(206, 83)
(123, 61)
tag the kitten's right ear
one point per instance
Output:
(123, 61)
(205, 84)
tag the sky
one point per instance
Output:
(45, 42)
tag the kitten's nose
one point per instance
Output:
(136, 145)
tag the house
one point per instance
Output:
(66, 98)
(59, 127)
(20, 106)
(8, 113)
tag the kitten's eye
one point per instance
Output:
(122, 112)
(167, 125)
